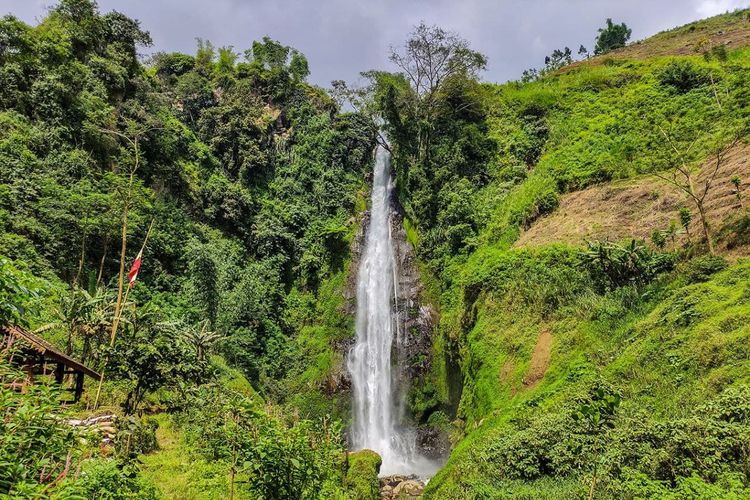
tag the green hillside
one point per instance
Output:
(582, 236)
(251, 180)
(613, 363)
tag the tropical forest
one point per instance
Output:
(223, 279)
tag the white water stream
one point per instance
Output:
(376, 423)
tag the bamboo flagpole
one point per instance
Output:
(132, 276)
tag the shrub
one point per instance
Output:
(362, 474)
(701, 268)
(264, 457)
(612, 265)
(106, 480)
(37, 447)
(682, 75)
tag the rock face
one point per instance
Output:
(416, 320)
(401, 487)
(433, 443)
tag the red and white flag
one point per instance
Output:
(133, 274)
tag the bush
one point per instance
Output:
(682, 75)
(362, 475)
(106, 480)
(612, 265)
(701, 455)
(135, 437)
(701, 268)
(263, 456)
(37, 447)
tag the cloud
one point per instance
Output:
(707, 8)
(343, 37)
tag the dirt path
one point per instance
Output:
(540, 359)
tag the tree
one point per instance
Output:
(680, 173)
(204, 57)
(152, 354)
(200, 338)
(558, 59)
(611, 37)
(86, 316)
(226, 60)
(15, 293)
(431, 57)
(659, 239)
(298, 66)
(686, 217)
(596, 417)
(553, 62)
(268, 53)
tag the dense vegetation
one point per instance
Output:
(250, 177)
(614, 369)
(643, 388)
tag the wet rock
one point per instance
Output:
(401, 487)
(433, 443)
(361, 478)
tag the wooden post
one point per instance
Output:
(59, 373)
(118, 314)
(79, 387)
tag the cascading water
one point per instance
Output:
(376, 418)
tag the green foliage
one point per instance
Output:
(686, 217)
(659, 239)
(436, 122)
(640, 454)
(42, 455)
(249, 173)
(612, 265)
(702, 268)
(666, 349)
(150, 355)
(362, 475)
(15, 293)
(273, 460)
(134, 437)
(612, 36)
(36, 445)
(682, 75)
(107, 480)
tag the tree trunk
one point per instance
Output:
(121, 276)
(706, 231)
(80, 261)
(101, 264)
(69, 346)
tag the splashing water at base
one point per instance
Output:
(376, 419)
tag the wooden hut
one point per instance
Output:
(36, 356)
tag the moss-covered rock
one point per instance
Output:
(362, 474)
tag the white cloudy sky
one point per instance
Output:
(343, 37)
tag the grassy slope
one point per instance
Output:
(666, 350)
(667, 355)
(637, 207)
(175, 474)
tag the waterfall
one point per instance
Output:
(376, 418)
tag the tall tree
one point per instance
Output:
(429, 59)
(613, 36)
